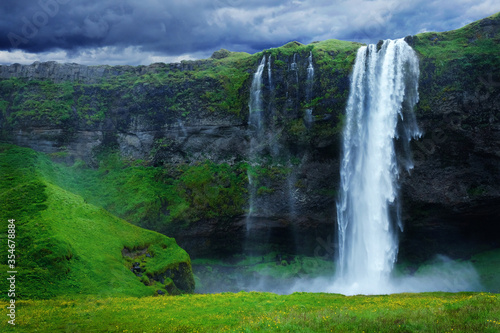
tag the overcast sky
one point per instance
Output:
(135, 32)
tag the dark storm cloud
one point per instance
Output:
(194, 27)
(174, 27)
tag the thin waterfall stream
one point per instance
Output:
(255, 122)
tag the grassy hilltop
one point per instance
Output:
(66, 246)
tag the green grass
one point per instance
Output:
(160, 198)
(263, 312)
(66, 246)
(464, 44)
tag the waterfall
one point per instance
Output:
(256, 125)
(309, 88)
(293, 66)
(255, 104)
(183, 128)
(310, 77)
(384, 89)
(269, 73)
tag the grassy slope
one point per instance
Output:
(264, 312)
(66, 246)
(461, 44)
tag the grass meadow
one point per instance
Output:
(262, 312)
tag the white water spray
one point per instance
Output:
(383, 90)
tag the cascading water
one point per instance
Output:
(309, 88)
(269, 69)
(255, 104)
(384, 89)
(256, 125)
(310, 77)
(293, 65)
(183, 128)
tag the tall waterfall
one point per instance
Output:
(256, 125)
(384, 89)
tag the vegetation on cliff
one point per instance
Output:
(192, 90)
(459, 61)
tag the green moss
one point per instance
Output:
(297, 130)
(41, 101)
(3, 106)
(91, 108)
(264, 190)
(300, 267)
(207, 190)
(230, 78)
(476, 191)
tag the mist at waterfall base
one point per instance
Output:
(379, 118)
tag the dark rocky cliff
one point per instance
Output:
(189, 113)
(452, 197)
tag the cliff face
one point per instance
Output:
(452, 196)
(54, 107)
(189, 113)
(59, 73)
